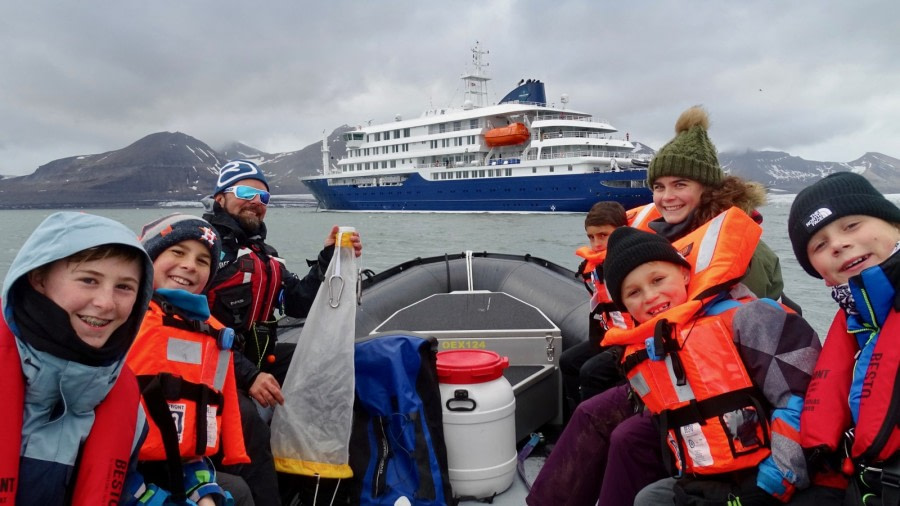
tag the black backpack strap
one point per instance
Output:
(890, 482)
(158, 409)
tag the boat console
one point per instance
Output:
(498, 322)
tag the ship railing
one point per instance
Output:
(586, 152)
(571, 135)
(571, 117)
(525, 102)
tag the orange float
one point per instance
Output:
(515, 133)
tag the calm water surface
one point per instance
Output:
(392, 238)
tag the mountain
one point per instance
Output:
(167, 166)
(781, 171)
(284, 170)
(161, 167)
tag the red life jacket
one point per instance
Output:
(249, 289)
(103, 463)
(604, 313)
(826, 412)
(196, 379)
(701, 379)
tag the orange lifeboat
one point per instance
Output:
(516, 133)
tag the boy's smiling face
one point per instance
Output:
(98, 295)
(654, 287)
(184, 266)
(848, 245)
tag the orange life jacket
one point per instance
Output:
(604, 312)
(183, 367)
(700, 384)
(640, 217)
(103, 463)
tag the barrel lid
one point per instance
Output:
(463, 367)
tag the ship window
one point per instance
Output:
(383, 165)
(534, 170)
(473, 123)
(442, 127)
(481, 173)
(405, 132)
(387, 135)
(457, 126)
(551, 168)
(508, 172)
(570, 168)
(406, 147)
(377, 136)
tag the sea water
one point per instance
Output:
(392, 238)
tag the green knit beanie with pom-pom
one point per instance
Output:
(690, 154)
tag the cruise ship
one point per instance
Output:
(520, 155)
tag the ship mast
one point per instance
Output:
(476, 82)
(326, 155)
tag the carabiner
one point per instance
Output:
(335, 301)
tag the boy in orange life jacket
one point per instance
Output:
(183, 361)
(844, 231)
(722, 373)
(588, 368)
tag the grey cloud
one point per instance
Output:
(816, 78)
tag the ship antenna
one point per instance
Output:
(476, 81)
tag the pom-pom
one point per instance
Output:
(690, 118)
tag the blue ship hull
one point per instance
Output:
(572, 193)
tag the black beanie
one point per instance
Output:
(835, 196)
(627, 249)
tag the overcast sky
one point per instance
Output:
(819, 79)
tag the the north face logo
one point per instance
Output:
(817, 217)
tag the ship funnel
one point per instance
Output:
(532, 92)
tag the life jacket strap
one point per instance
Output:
(170, 388)
(158, 409)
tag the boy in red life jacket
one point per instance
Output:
(183, 361)
(73, 300)
(723, 373)
(845, 232)
(589, 368)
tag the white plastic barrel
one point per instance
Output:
(479, 421)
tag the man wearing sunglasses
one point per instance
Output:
(251, 282)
